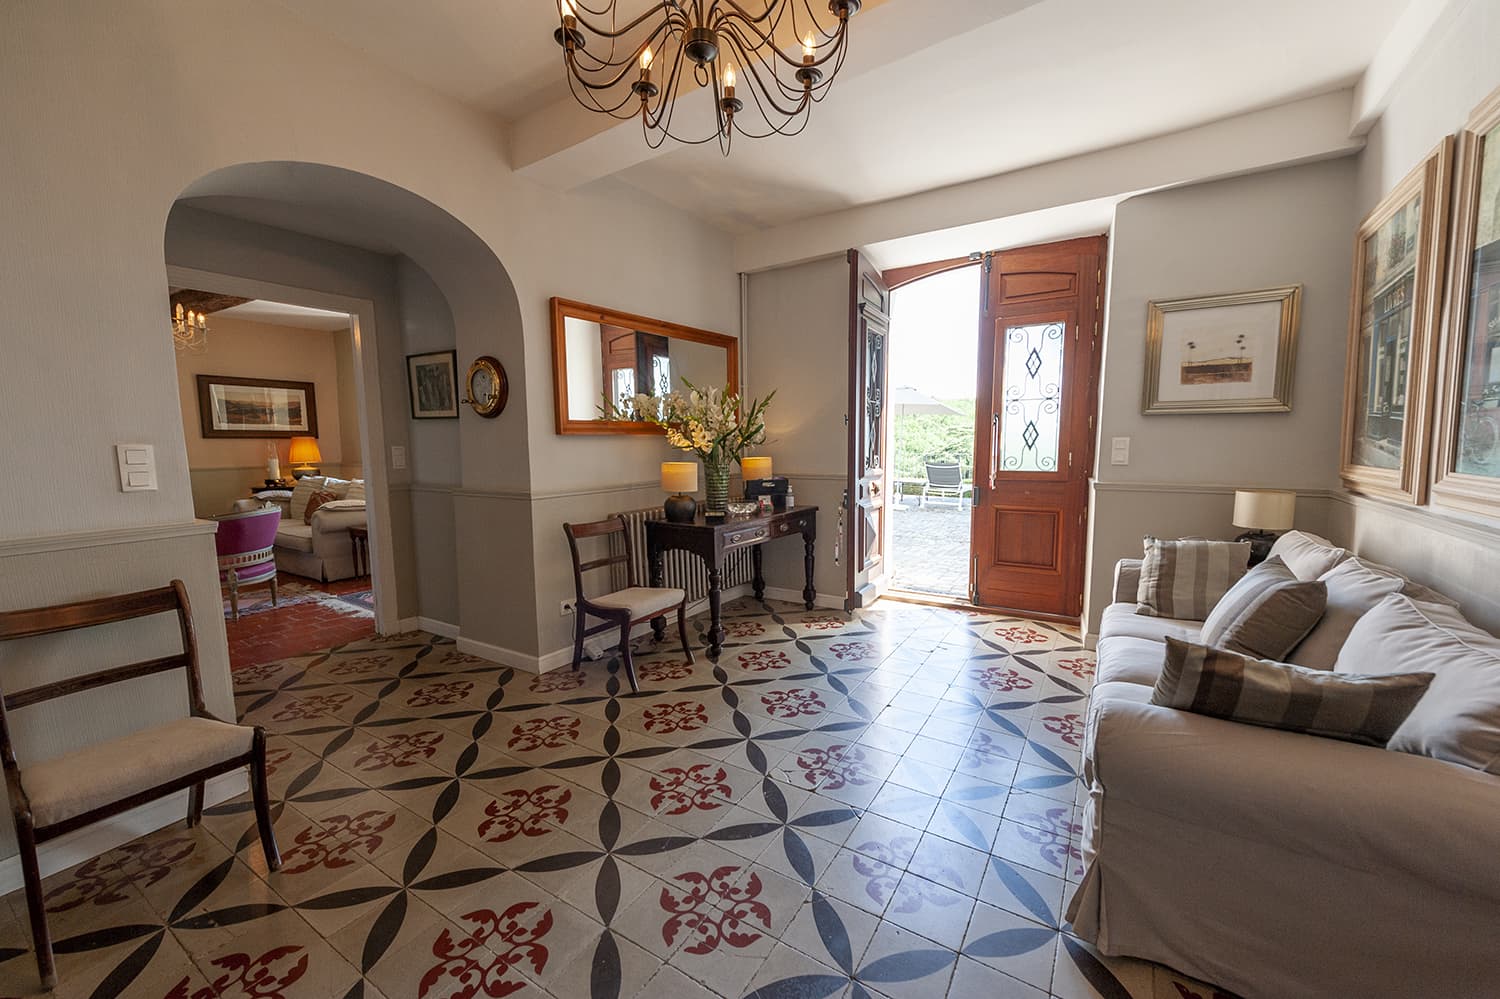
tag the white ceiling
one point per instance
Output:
(280, 314)
(1052, 79)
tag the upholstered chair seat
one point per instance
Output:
(641, 601)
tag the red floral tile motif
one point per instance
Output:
(360, 665)
(671, 669)
(823, 622)
(312, 706)
(481, 963)
(1001, 680)
(793, 703)
(713, 910)
(402, 749)
(1021, 635)
(337, 841)
(679, 716)
(558, 680)
(102, 879)
(248, 675)
(679, 790)
(524, 813)
(1054, 833)
(277, 758)
(744, 629)
(1184, 992)
(544, 733)
(984, 751)
(453, 657)
(1068, 727)
(854, 651)
(761, 660)
(437, 694)
(263, 977)
(835, 767)
(1082, 668)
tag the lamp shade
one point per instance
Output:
(304, 451)
(1264, 509)
(755, 468)
(679, 476)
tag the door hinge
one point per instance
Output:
(1070, 459)
(974, 582)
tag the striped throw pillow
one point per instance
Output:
(1185, 579)
(1266, 613)
(306, 486)
(1347, 706)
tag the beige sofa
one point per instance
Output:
(1275, 864)
(320, 549)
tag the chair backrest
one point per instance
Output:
(91, 613)
(944, 473)
(607, 529)
(242, 533)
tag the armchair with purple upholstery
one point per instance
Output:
(246, 547)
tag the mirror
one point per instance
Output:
(601, 357)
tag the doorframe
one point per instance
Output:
(371, 424)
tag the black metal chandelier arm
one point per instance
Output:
(593, 84)
(591, 102)
(754, 68)
(662, 7)
(729, 24)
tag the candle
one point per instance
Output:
(729, 82)
(809, 48)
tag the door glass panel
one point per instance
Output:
(1031, 398)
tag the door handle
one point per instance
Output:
(994, 446)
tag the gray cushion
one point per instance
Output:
(1353, 588)
(641, 600)
(1307, 555)
(1459, 719)
(1347, 706)
(297, 537)
(1128, 660)
(1266, 613)
(1185, 578)
(1121, 620)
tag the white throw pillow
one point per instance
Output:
(1353, 588)
(356, 490)
(306, 486)
(336, 486)
(1307, 555)
(1458, 719)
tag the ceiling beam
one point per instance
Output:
(1297, 132)
(1412, 29)
(565, 146)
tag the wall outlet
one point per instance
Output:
(566, 608)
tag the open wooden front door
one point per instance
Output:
(1034, 443)
(869, 334)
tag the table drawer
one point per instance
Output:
(751, 535)
(793, 525)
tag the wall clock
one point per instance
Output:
(487, 387)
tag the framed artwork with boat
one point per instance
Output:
(1222, 353)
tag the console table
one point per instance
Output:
(712, 540)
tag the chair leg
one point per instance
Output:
(36, 906)
(687, 648)
(577, 638)
(625, 655)
(262, 798)
(195, 805)
(273, 591)
(234, 598)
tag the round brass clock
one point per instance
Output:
(487, 387)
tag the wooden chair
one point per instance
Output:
(60, 795)
(622, 609)
(246, 543)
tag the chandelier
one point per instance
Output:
(730, 47)
(189, 329)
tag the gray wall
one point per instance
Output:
(1288, 226)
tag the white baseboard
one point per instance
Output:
(101, 837)
(436, 627)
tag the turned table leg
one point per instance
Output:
(809, 594)
(716, 621)
(658, 579)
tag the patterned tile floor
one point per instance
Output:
(882, 806)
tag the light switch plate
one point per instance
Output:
(398, 457)
(137, 467)
(1119, 450)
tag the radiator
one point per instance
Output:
(681, 569)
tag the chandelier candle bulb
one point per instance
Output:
(809, 49)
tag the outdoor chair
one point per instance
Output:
(945, 480)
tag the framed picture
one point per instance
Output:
(432, 380)
(1391, 364)
(256, 407)
(1466, 469)
(1222, 353)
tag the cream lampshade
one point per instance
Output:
(303, 454)
(1263, 511)
(681, 479)
(755, 468)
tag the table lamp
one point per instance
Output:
(303, 455)
(1264, 512)
(681, 479)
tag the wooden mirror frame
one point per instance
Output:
(563, 309)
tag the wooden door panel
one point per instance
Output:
(1037, 286)
(869, 330)
(1027, 538)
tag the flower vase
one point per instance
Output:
(716, 485)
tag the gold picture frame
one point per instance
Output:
(1390, 368)
(1232, 353)
(1466, 462)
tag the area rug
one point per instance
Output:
(291, 594)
